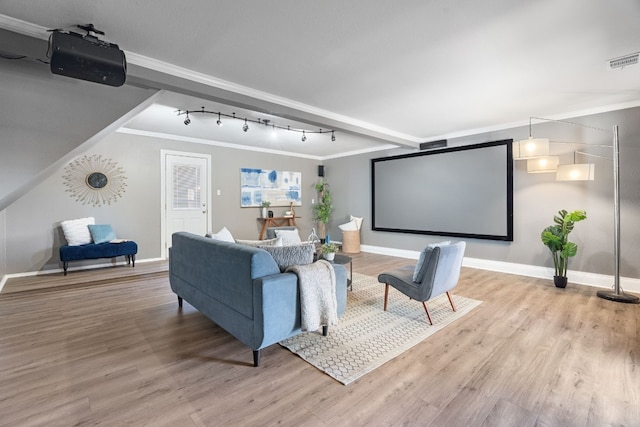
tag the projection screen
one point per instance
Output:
(462, 191)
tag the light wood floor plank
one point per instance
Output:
(110, 346)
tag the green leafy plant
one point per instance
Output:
(556, 238)
(330, 248)
(323, 209)
(265, 204)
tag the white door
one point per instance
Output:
(186, 200)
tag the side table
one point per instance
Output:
(344, 260)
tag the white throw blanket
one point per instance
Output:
(318, 303)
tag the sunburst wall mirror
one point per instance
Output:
(95, 180)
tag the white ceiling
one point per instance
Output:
(413, 70)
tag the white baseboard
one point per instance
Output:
(60, 270)
(578, 277)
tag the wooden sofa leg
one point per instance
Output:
(325, 330)
(256, 358)
(453, 306)
(133, 260)
(386, 295)
(180, 301)
(65, 265)
(424, 304)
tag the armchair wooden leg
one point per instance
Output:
(424, 304)
(453, 306)
(386, 295)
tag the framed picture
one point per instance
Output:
(279, 188)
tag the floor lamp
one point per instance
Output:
(616, 294)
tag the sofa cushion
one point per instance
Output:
(101, 233)
(286, 256)
(76, 231)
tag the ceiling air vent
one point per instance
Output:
(623, 61)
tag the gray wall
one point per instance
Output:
(32, 222)
(537, 197)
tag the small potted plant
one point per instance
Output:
(329, 251)
(556, 238)
(264, 206)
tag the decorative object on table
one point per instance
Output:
(280, 188)
(264, 208)
(351, 235)
(556, 238)
(94, 180)
(329, 251)
(323, 209)
(365, 338)
(270, 214)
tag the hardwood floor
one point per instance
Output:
(112, 347)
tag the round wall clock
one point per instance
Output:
(94, 180)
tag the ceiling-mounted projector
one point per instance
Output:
(86, 57)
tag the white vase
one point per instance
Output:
(264, 212)
(329, 257)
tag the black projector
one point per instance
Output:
(87, 58)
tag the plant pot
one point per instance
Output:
(263, 211)
(560, 281)
(329, 257)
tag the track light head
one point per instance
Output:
(304, 136)
(333, 137)
(245, 127)
(219, 122)
(187, 120)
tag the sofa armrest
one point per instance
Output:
(276, 308)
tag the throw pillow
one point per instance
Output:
(76, 231)
(101, 233)
(223, 234)
(255, 243)
(423, 260)
(358, 220)
(349, 226)
(289, 237)
(286, 256)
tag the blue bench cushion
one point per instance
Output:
(97, 250)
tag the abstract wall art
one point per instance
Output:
(280, 188)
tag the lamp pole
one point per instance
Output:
(616, 294)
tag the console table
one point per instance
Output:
(278, 221)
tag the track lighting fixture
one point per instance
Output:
(245, 126)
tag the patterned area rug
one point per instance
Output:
(367, 337)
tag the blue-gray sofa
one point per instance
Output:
(241, 289)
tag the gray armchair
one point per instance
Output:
(437, 272)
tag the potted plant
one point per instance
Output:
(264, 206)
(329, 251)
(322, 210)
(556, 238)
